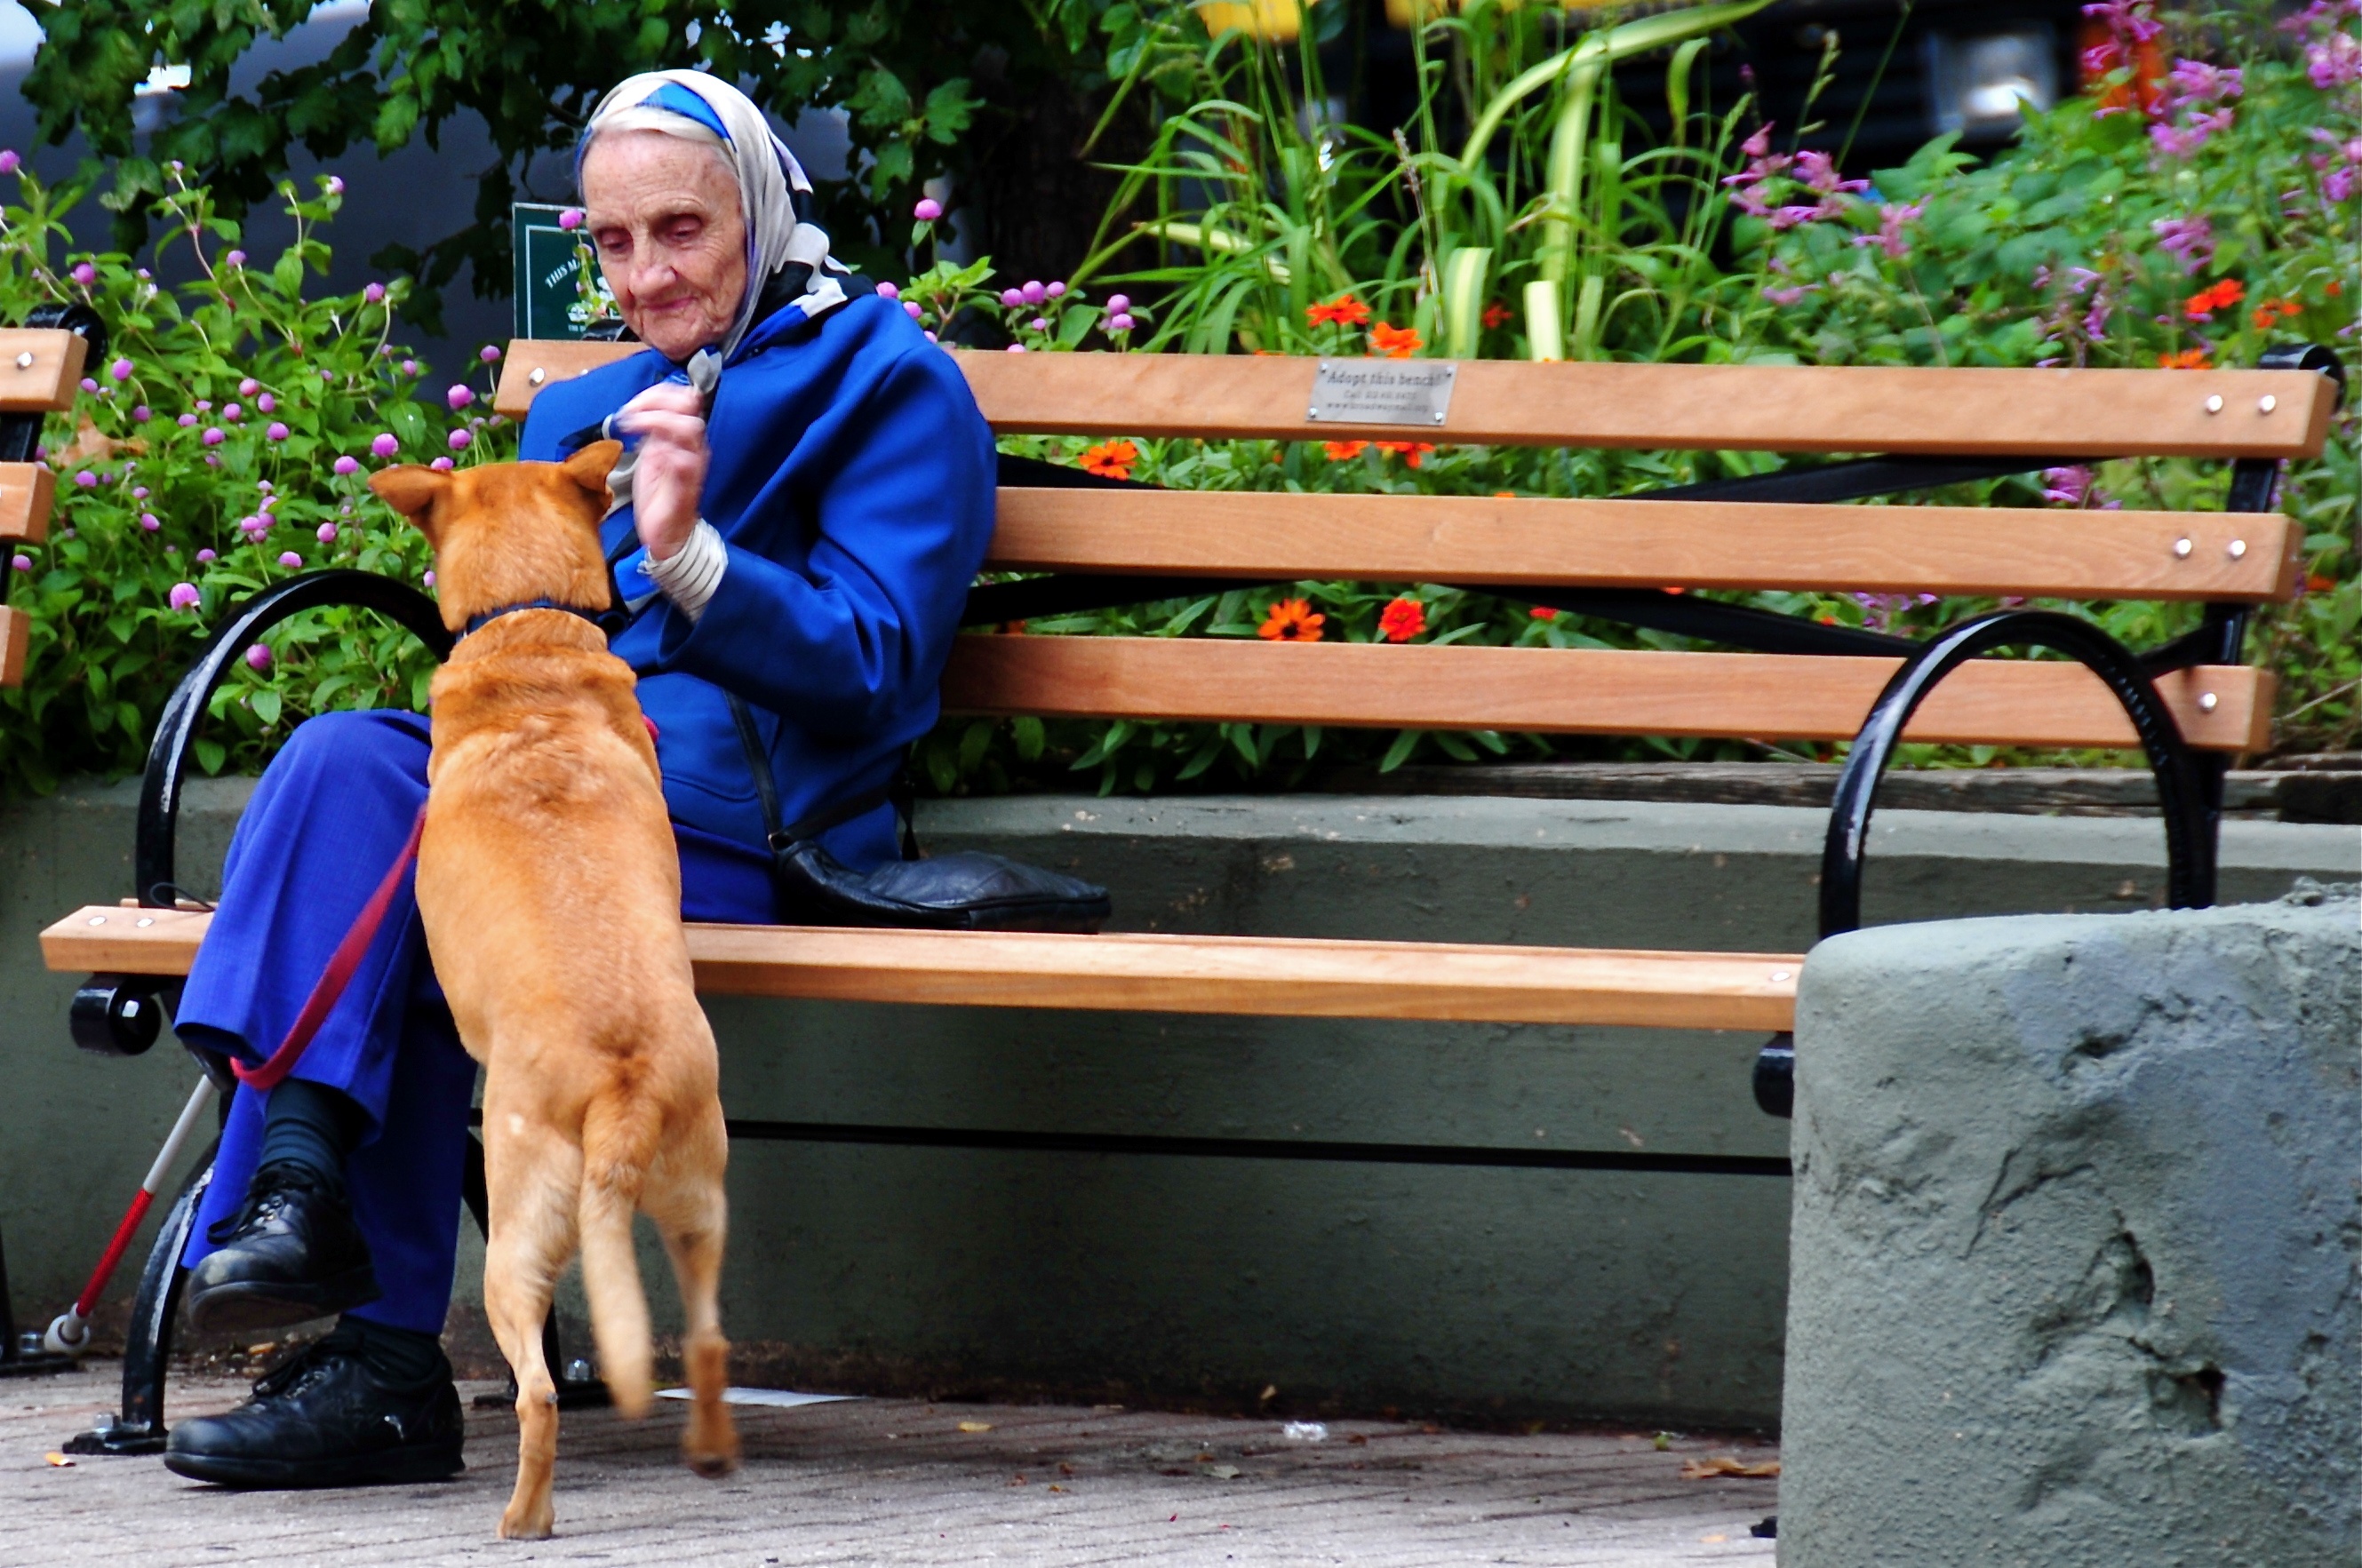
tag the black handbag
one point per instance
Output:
(969, 891)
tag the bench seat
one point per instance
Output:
(1299, 977)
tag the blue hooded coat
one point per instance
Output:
(852, 480)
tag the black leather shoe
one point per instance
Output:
(290, 1254)
(324, 1419)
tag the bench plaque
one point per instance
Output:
(1381, 391)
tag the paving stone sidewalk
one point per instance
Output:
(892, 1480)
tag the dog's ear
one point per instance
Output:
(412, 491)
(589, 467)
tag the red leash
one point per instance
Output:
(338, 975)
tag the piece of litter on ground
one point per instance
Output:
(778, 1398)
(1222, 1472)
(1704, 1469)
(1711, 1540)
(976, 1426)
(58, 1459)
(1305, 1432)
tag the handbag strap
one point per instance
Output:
(897, 792)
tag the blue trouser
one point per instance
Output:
(328, 818)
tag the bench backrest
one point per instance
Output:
(1546, 549)
(40, 369)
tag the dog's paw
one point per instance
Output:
(520, 1523)
(710, 1459)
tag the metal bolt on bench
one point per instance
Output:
(2188, 704)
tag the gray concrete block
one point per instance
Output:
(2076, 1240)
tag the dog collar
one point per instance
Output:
(476, 623)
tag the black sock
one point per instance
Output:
(404, 1357)
(312, 1127)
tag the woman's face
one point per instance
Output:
(664, 219)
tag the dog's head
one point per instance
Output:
(508, 532)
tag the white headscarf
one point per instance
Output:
(701, 108)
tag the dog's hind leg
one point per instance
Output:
(686, 1200)
(534, 1176)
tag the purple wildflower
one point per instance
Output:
(86, 479)
(460, 440)
(2333, 61)
(888, 291)
(490, 353)
(185, 596)
(84, 273)
(276, 432)
(1012, 298)
(325, 533)
(441, 464)
(1120, 322)
(204, 555)
(289, 559)
(248, 387)
(2190, 241)
(385, 445)
(257, 657)
(235, 258)
(346, 465)
(373, 294)
(570, 219)
(460, 397)
(1056, 290)
(20, 562)
(1119, 304)
(910, 309)
(335, 185)
(928, 210)
(121, 369)
(142, 414)
(9, 162)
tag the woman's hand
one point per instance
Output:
(670, 478)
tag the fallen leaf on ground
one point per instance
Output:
(1704, 1469)
(1221, 1472)
(59, 1460)
(976, 1426)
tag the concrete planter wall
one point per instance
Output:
(2077, 1227)
(1501, 1294)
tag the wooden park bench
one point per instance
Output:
(40, 370)
(2190, 705)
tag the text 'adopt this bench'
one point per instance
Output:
(2189, 704)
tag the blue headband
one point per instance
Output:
(680, 100)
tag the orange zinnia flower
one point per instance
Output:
(1339, 451)
(1344, 309)
(1495, 315)
(1111, 459)
(1543, 612)
(2188, 360)
(2271, 311)
(2225, 293)
(1395, 342)
(1411, 450)
(1292, 621)
(1402, 620)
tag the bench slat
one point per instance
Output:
(1574, 691)
(1267, 976)
(1277, 537)
(1774, 407)
(1768, 407)
(16, 637)
(50, 372)
(28, 491)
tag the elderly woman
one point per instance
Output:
(797, 530)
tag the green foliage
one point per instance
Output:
(906, 71)
(200, 465)
(1557, 228)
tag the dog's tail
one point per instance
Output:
(619, 1139)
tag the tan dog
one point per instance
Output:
(551, 887)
